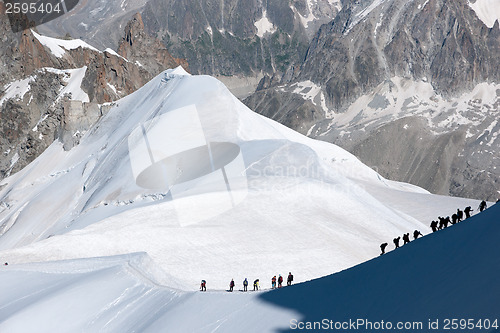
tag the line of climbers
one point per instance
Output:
(456, 217)
(203, 286)
(443, 223)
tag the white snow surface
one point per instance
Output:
(113, 52)
(358, 17)
(298, 204)
(487, 11)
(17, 89)
(305, 19)
(74, 85)
(308, 90)
(58, 47)
(72, 79)
(437, 277)
(264, 26)
(317, 10)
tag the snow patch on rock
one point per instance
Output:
(264, 26)
(58, 47)
(487, 11)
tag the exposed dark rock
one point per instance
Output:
(31, 122)
(441, 42)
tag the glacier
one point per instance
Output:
(181, 182)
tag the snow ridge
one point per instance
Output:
(276, 180)
(487, 11)
(58, 47)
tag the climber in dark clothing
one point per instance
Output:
(280, 281)
(482, 206)
(289, 279)
(441, 223)
(396, 242)
(446, 221)
(454, 218)
(406, 238)
(382, 247)
(434, 226)
(416, 233)
(256, 285)
(467, 211)
(460, 215)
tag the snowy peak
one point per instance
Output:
(181, 165)
(58, 87)
(487, 11)
(434, 59)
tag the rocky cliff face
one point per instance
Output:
(440, 40)
(383, 60)
(56, 89)
(139, 47)
(237, 41)
(230, 37)
(97, 22)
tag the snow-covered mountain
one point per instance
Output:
(142, 180)
(448, 274)
(430, 62)
(53, 88)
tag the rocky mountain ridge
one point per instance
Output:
(238, 38)
(56, 89)
(362, 72)
(97, 22)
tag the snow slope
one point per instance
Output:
(263, 25)
(450, 274)
(283, 202)
(58, 47)
(488, 11)
(73, 79)
(17, 89)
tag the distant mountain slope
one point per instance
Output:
(441, 40)
(380, 61)
(98, 22)
(242, 38)
(52, 88)
(353, 64)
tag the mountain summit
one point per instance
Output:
(182, 170)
